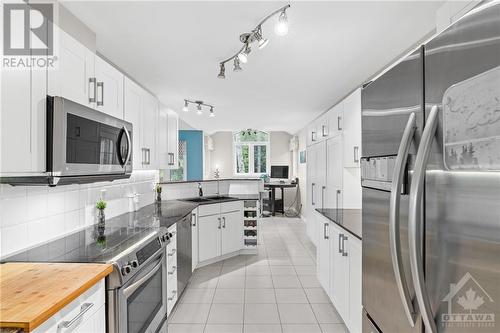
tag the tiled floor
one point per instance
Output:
(275, 291)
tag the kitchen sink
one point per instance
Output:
(208, 198)
(198, 199)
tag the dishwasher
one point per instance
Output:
(184, 255)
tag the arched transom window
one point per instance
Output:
(251, 153)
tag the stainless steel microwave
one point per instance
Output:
(83, 145)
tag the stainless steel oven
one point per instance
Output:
(140, 304)
(85, 145)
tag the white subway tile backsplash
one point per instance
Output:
(14, 238)
(72, 221)
(71, 200)
(14, 211)
(36, 206)
(55, 203)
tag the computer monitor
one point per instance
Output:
(279, 171)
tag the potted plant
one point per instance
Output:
(101, 205)
(158, 192)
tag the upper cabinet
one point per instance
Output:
(173, 140)
(109, 88)
(85, 78)
(352, 129)
(132, 99)
(168, 138)
(149, 121)
(336, 119)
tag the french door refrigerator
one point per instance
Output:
(431, 185)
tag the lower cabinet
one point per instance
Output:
(171, 250)
(339, 270)
(194, 239)
(87, 313)
(220, 230)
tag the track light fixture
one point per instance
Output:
(281, 29)
(199, 105)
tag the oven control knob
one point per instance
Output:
(164, 238)
(170, 235)
(126, 269)
(134, 263)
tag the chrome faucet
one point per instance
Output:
(200, 190)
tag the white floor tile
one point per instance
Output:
(194, 295)
(262, 328)
(286, 281)
(214, 328)
(231, 281)
(186, 328)
(326, 314)
(186, 313)
(298, 328)
(291, 296)
(317, 295)
(296, 314)
(309, 281)
(283, 270)
(260, 295)
(226, 314)
(255, 281)
(334, 328)
(229, 296)
(261, 314)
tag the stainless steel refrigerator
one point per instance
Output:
(431, 185)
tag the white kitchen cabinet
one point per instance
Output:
(339, 272)
(109, 88)
(194, 239)
(336, 119)
(323, 251)
(162, 142)
(355, 285)
(172, 286)
(89, 306)
(352, 129)
(321, 126)
(149, 123)
(311, 193)
(132, 113)
(173, 140)
(334, 172)
(209, 245)
(74, 78)
(232, 232)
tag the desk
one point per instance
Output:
(273, 186)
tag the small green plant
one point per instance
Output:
(158, 188)
(101, 204)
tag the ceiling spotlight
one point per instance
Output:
(237, 67)
(281, 27)
(243, 56)
(222, 73)
(185, 108)
(198, 108)
(261, 41)
(212, 114)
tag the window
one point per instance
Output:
(251, 153)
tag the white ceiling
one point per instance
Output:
(173, 49)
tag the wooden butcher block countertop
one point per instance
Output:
(30, 293)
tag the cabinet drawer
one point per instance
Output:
(205, 210)
(231, 206)
(86, 305)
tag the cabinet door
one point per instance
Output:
(132, 106)
(355, 305)
(173, 140)
(352, 129)
(323, 252)
(149, 123)
(320, 175)
(209, 237)
(322, 127)
(74, 78)
(335, 119)
(162, 143)
(311, 192)
(333, 171)
(194, 239)
(232, 232)
(312, 134)
(339, 274)
(109, 88)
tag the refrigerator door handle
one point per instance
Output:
(394, 236)
(415, 223)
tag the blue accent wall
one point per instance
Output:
(194, 154)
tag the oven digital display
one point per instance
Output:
(148, 250)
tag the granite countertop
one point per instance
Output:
(347, 219)
(210, 180)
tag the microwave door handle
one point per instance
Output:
(129, 146)
(133, 287)
(394, 235)
(415, 223)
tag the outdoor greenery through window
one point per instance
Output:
(251, 152)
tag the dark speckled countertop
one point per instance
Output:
(347, 219)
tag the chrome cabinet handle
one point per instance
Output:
(193, 218)
(83, 309)
(219, 222)
(338, 123)
(312, 194)
(173, 295)
(172, 253)
(323, 188)
(174, 268)
(341, 236)
(394, 202)
(344, 252)
(323, 132)
(414, 223)
(100, 85)
(313, 136)
(224, 222)
(356, 154)
(326, 231)
(92, 81)
(149, 156)
(337, 208)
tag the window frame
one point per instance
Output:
(251, 145)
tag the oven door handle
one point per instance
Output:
(133, 287)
